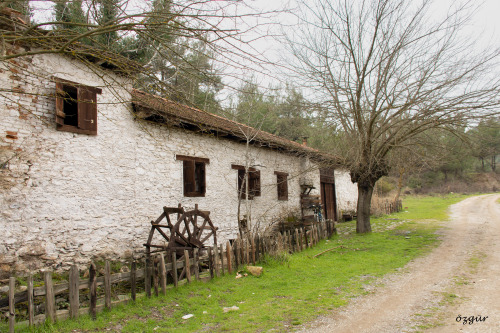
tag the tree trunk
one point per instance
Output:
(364, 204)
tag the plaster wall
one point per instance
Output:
(346, 192)
(67, 198)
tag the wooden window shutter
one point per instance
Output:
(60, 95)
(194, 175)
(189, 168)
(87, 110)
(200, 178)
(254, 182)
(282, 187)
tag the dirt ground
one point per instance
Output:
(457, 281)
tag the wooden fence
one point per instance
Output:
(393, 207)
(215, 262)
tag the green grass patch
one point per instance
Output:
(429, 207)
(293, 289)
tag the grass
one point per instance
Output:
(293, 290)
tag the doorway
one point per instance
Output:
(328, 198)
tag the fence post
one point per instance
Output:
(221, 251)
(237, 254)
(228, 255)
(304, 231)
(211, 262)
(12, 304)
(133, 267)
(107, 285)
(187, 266)
(196, 259)
(256, 246)
(74, 291)
(163, 275)
(287, 241)
(147, 276)
(174, 268)
(92, 291)
(156, 276)
(50, 306)
(253, 250)
(247, 251)
(216, 259)
(31, 303)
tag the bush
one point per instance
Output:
(383, 187)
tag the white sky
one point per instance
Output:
(485, 24)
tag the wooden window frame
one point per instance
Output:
(193, 175)
(282, 185)
(253, 181)
(86, 107)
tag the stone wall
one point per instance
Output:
(67, 198)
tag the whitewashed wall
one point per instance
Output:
(346, 192)
(68, 197)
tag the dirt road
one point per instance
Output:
(461, 277)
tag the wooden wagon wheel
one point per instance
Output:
(164, 229)
(193, 229)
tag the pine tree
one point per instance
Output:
(22, 6)
(108, 15)
(71, 17)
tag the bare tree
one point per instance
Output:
(176, 33)
(384, 72)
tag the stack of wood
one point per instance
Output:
(307, 202)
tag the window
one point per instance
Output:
(193, 175)
(253, 181)
(282, 183)
(76, 107)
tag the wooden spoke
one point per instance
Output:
(202, 227)
(163, 234)
(207, 237)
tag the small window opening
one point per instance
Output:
(199, 177)
(282, 185)
(253, 182)
(194, 177)
(76, 107)
(70, 106)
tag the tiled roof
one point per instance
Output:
(158, 109)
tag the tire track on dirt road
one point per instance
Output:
(473, 232)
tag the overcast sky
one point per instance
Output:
(485, 27)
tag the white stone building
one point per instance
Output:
(83, 179)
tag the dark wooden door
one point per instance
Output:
(328, 198)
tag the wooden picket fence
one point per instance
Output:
(393, 207)
(215, 262)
